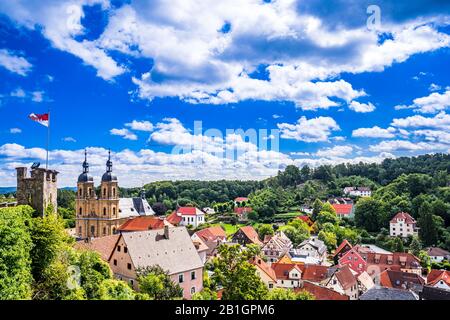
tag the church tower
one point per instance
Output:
(85, 200)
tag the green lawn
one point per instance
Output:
(287, 215)
(229, 228)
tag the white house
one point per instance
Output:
(345, 282)
(403, 225)
(312, 248)
(438, 254)
(185, 216)
(358, 191)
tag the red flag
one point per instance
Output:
(40, 118)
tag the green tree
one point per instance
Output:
(205, 294)
(428, 229)
(265, 202)
(157, 283)
(329, 238)
(368, 214)
(15, 260)
(264, 229)
(317, 207)
(111, 289)
(236, 275)
(297, 231)
(415, 246)
(93, 271)
(398, 245)
(425, 260)
(327, 216)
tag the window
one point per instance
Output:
(81, 192)
(104, 193)
(192, 290)
(104, 231)
(115, 262)
(118, 248)
(270, 285)
(81, 211)
(92, 230)
(131, 281)
(129, 266)
(114, 211)
(180, 278)
(193, 275)
(114, 192)
(104, 211)
(125, 249)
(79, 230)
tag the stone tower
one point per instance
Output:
(38, 191)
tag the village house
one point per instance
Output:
(439, 279)
(398, 261)
(341, 250)
(320, 292)
(202, 249)
(437, 254)
(212, 237)
(358, 191)
(365, 282)
(246, 235)
(287, 275)
(276, 246)
(239, 200)
(185, 216)
(265, 272)
(400, 280)
(344, 281)
(102, 245)
(344, 210)
(353, 259)
(142, 223)
(209, 210)
(403, 225)
(382, 293)
(311, 250)
(170, 248)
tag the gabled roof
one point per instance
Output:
(173, 218)
(103, 245)
(262, 265)
(400, 280)
(437, 275)
(343, 209)
(240, 199)
(345, 277)
(142, 223)
(241, 210)
(200, 245)
(342, 246)
(394, 261)
(134, 207)
(212, 233)
(381, 293)
(437, 252)
(176, 253)
(280, 240)
(403, 216)
(321, 293)
(314, 272)
(189, 211)
(282, 270)
(251, 234)
(314, 242)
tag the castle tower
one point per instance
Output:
(38, 191)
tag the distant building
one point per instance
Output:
(239, 200)
(103, 214)
(246, 235)
(39, 190)
(276, 246)
(397, 261)
(209, 210)
(312, 248)
(265, 272)
(438, 254)
(320, 292)
(344, 210)
(185, 216)
(381, 293)
(142, 223)
(354, 260)
(212, 237)
(400, 280)
(341, 250)
(403, 225)
(439, 279)
(170, 248)
(345, 282)
(358, 191)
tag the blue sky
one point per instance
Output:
(134, 76)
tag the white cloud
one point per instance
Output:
(433, 103)
(15, 130)
(69, 139)
(37, 96)
(434, 87)
(146, 126)
(441, 121)
(333, 152)
(312, 130)
(14, 63)
(18, 93)
(404, 145)
(124, 133)
(361, 107)
(374, 132)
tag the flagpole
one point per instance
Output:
(48, 138)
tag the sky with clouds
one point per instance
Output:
(234, 89)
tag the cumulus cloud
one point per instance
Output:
(374, 132)
(361, 107)
(14, 63)
(433, 103)
(69, 139)
(441, 121)
(124, 133)
(405, 145)
(309, 130)
(146, 126)
(15, 130)
(336, 151)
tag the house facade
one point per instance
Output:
(265, 272)
(403, 225)
(246, 235)
(170, 248)
(353, 260)
(358, 191)
(439, 279)
(276, 246)
(212, 237)
(312, 248)
(344, 282)
(185, 216)
(437, 254)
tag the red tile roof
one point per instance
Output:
(404, 216)
(251, 234)
(437, 275)
(342, 246)
(346, 278)
(212, 233)
(103, 245)
(189, 211)
(282, 269)
(321, 293)
(343, 209)
(306, 219)
(240, 199)
(174, 219)
(314, 272)
(393, 261)
(241, 210)
(399, 279)
(261, 264)
(142, 223)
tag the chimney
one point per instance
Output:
(166, 232)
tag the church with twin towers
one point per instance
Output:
(100, 212)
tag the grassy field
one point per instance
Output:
(287, 215)
(229, 228)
